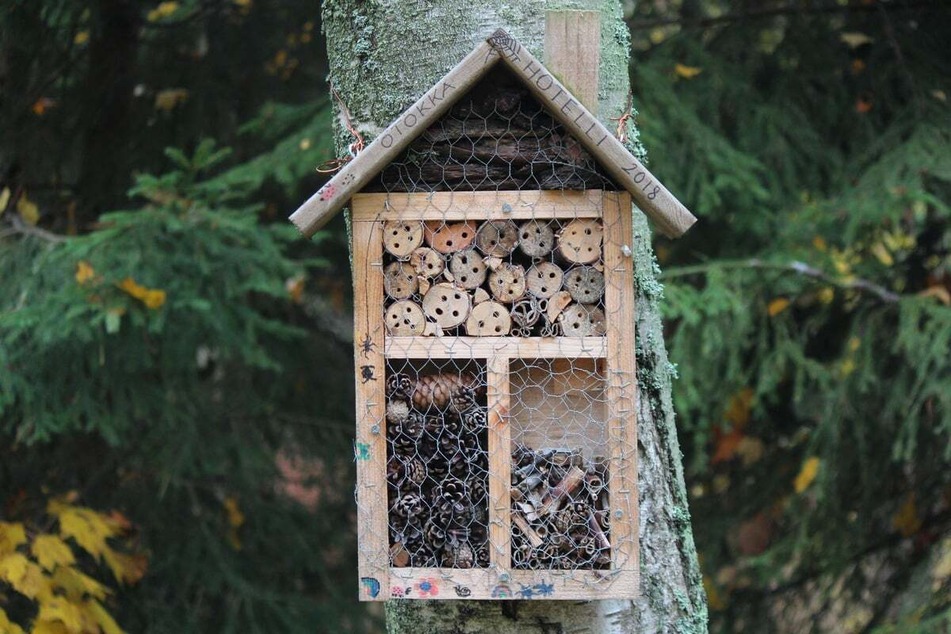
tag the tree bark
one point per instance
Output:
(383, 55)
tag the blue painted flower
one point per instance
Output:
(545, 589)
(526, 592)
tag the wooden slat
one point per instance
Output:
(484, 347)
(573, 52)
(486, 583)
(500, 463)
(330, 198)
(455, 206)
(621, 381)
(370, 450)
(671, 217)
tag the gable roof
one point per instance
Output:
(671, 217)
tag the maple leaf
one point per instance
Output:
(162, 11)
(12, 534)
(26, 577)
(28, 210)
(127, 569)
(88, 528)
(4, 199)
(102, 618)
(59, 609)
(854, 39)
(76, 584)
(51, 551)
(807, 474)
(151, 297)
(166, 100)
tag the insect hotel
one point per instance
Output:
(496, 436)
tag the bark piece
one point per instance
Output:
(427, 262)
(405, 318)
(507, 283)
(399, 280)
(446, 305)
(585, 284)
(488, 319)
(497, 237)
(582, 320)
(480, 295)
(579, 242)
(544, 279)
(401, 238)
(468, 269)
(451, 237)
(557, 303)
(536, 239)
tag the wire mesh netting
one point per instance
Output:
(505, 407)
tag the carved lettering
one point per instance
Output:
(566, 107)
(642, 175)
(407, 122)
(551, 80)
(386, 140)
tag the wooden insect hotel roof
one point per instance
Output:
(670, 216)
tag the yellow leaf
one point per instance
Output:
(105, 621)
(51, 551)
(750, 450)
(28, 210)
(128, 569)
(48, 627)
(777, 306)
(826, 294)
(4, 199)
(25, 576)
(167, 99)
(854, 39)
(76, 584)
(88, 528)
(880, 251)
(154, 299)
(235, 520)
(854, 344)
(81, 38)
(84, 272)
(59, 609)
(687, 72)
(808, 473)
(12, 534)
(7, 626)
(162, 11)
(846, 367)
(906, 520)
(819, 243)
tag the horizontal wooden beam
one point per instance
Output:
(454, 206)
(329, 199)
(668, 213)
(487, 347)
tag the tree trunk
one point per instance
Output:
(383, 55)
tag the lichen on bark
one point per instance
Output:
(383, 55)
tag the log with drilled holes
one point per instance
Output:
(582, 320)
(399, 280)
(585, 284)
(451, 237)
(507, 283)
(536, 239)
(427, 262)
(579, 242)
(467, 268)
(488, 319)
(404, 319)
(497, 237)
(446, 306)
(401, 238)
(544, 279)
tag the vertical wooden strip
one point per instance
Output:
(500, 463)
(621, 378)
(573, 52)
(370, 449)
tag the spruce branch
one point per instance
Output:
(800, 268)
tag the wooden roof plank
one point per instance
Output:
(329, 199)
(668, 213)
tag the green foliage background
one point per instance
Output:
(808, 311)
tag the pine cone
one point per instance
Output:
(438, 390)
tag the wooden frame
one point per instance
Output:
(379, 581)
(672, 218)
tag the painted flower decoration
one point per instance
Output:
(427, 587)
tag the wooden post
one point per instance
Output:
(573, 52)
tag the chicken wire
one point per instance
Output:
(468, 286)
